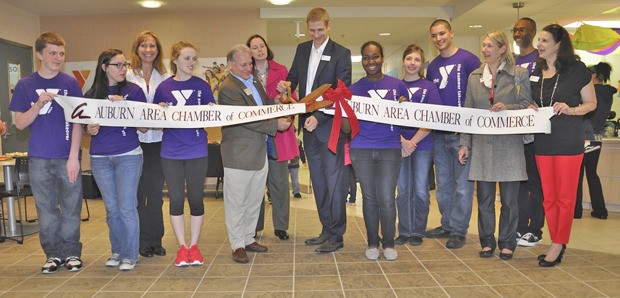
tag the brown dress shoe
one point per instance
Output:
(240, 256)
(255, 247)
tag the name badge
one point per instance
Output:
(247, 91)
(326, 58)
(534, 78)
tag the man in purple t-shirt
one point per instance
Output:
(449, 71)
(53, 154)
(531, 213)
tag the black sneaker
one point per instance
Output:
(529, 240)
(297, 196)
(415, 240)
(438, 232)
(51, 265)
(456, 241)
(400, 240)
(73, 264)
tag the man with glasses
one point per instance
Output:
(531, 213)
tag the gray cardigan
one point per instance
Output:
(497, 157)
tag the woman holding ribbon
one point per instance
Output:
(270, 73)
(496, 86)
(562, 82)
(184, 151)
(376, 154)
(417, 151)
(116, 160)
(148, 71)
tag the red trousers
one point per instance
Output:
(559, 176)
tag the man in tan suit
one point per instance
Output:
(244, 154)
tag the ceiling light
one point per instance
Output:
(280, 2)
(475, 26)
(151, 4)
(385, 34)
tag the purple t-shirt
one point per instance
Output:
(111, 140)
(50, 133)
(450, 75)
(372, 134)
(184, 143)
(421, 91)
(528, 61)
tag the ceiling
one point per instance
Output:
(356, 21)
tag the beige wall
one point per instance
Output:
(18, 25)
(211, 31)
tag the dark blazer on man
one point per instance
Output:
(244, 146)
(335, 64)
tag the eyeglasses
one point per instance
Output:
(522, 30)
(119, 65)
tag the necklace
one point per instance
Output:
(542, 85)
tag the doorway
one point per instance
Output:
(15, 63)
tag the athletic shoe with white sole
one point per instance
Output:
(73, 264)
(529, 240)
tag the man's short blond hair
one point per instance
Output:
(317, 14)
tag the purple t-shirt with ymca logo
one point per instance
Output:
(450, 75)
(50, 134)
(528, 61)
(372, 134)
(421, 91)
(184, 143)
(111, 140)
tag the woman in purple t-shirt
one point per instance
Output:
(417, 150)
(184, 150)
(116, 160)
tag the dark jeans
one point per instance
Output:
(352, 183)
(150, 196)
(507, 218)
(378, 171)
(590, 163)
(531, 212)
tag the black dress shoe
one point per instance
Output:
(329, 246)
(281, 234)
(598, 215)
(146, 252)
(159, 251)
(316, 240)
(544, 263)
(486, 253)
(505, 256)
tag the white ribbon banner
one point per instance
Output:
(127, 113)
(448, 118)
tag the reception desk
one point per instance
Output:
(609, 172)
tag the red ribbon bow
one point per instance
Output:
(339, 97)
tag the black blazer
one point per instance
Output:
(329, 72)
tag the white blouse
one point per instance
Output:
(151, 135)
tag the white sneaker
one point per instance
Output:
(529, 240)
(127, 265)
(73, 264)
(390, 254)
(113, 261)
(372, 253)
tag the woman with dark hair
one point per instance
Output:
(184, 151)
(148, 71)
(269, 73)
(376, 155)
(564, 83)
(116, 160)
(413, 197)
(496, 159)
(604, 98)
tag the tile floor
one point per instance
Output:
(591, 267)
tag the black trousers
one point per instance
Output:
(590, 163)
(150, 196)
(531, 212)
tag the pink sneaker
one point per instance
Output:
(195, 257)
(182, 259)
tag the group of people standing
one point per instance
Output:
(130, 165)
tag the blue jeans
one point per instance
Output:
(454, 192)
(294, 172)
(413, 197)
(59, 205)
(117, 178)
(377, 170)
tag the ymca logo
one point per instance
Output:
(445, 71)
(381, 93)
(412, 91)
(81, 76)
(182, 96)
(47, 108)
